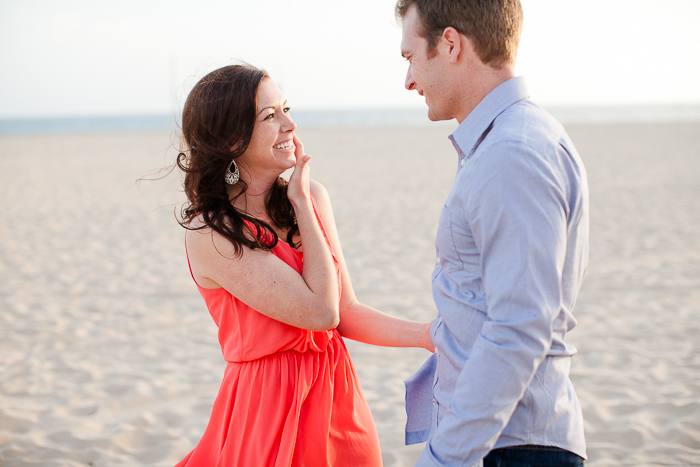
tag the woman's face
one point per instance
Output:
(271, 148)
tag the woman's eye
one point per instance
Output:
(286, 110)
(270, 116)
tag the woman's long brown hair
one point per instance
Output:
(219, 114)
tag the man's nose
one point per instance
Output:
(410, 84)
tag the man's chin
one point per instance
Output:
(434, 115)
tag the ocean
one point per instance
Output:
(345, 118)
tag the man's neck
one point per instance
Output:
(479, 86)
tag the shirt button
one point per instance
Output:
(438, 261)
(462, 162)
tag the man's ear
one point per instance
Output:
(452, 43)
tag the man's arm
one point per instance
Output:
(517, 209)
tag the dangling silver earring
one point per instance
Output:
(232, 177)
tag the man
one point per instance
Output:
(512, 249)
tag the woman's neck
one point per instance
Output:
(252, 201)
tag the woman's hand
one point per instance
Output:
(298, 189)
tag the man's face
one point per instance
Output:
(425, 75)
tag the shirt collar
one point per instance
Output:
(468, 133)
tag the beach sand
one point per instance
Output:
(109, 357)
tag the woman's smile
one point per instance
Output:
(286, 145)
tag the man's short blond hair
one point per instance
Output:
(493, 26)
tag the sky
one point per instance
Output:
(106, 57)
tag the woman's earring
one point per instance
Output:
(232, 177)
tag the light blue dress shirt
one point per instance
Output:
(511, 253)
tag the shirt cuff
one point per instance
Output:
(419, 402)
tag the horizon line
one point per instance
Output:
(345, 118)
(161, 114)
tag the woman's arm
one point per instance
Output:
(365, 324)
(264, 282)
(361, 322)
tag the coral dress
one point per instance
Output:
(289, 397)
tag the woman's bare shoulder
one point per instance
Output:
(320, 195)
(317, 189)
(203, 241)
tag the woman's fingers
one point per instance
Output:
(299, 151)
(299, 181)
(301, 164)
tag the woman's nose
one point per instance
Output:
(289, 124)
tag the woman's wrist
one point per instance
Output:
(301, 203)
(427, 341)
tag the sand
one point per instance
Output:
(109, 358)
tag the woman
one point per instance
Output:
(290, 395)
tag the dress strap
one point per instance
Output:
(323, 229)
(189, 265)
(187, 254)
